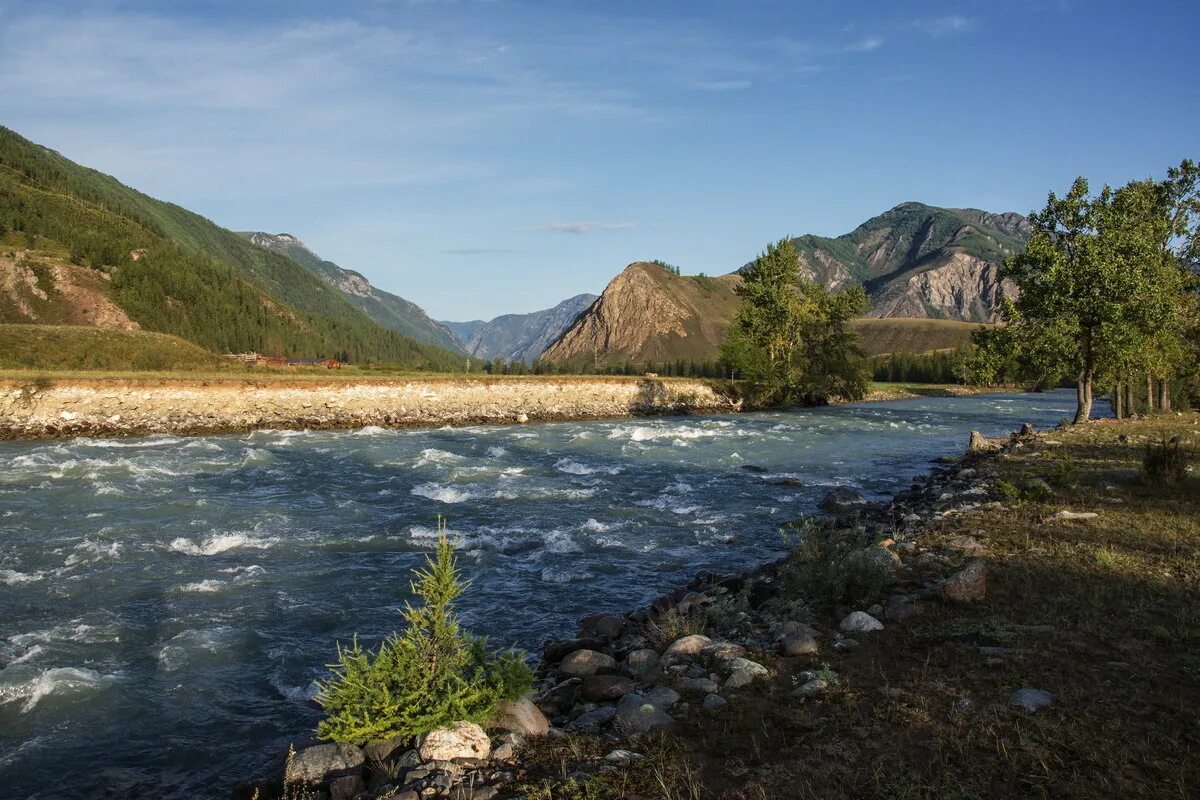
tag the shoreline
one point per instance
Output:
(68, 408)
(640, 683)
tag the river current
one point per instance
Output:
(166, 603)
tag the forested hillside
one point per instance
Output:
(176, 272)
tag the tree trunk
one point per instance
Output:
(1149, 393)
(1129, 408)
(1164, 395)
(1118, 396)
(1083, 398)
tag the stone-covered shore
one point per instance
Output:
(690, 654)
(50, 409)
(68, 408)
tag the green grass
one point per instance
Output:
(59, 348)
(898, 335)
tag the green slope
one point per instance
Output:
(389, 310)
(176, 272)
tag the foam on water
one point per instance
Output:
(30, 687)
(442, 493)
(219, 543)
(10, 577)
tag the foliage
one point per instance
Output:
(1166, 462)
(827, 565)
(792, 340)
(937, 367)
(175, 272)
(666, 627)
(76, 347)
(1104, 289)
(429, 676)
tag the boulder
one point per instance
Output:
(324, 762)
(1069, 515)
(346, 787)
(967, 585)
(875, 559)
(687, 646)
(843, 500)
(382, 752)
(523, 717)
(556, 651)
(723, 651)
(705, 685)
(714, 702)
(599, 688)
(635, 716)
(593, 720)
(810, 688)
(1031, 699)
(860, 622)
(743, 672)
(582, 663)
(642, 662)
(798, 644)
(610, 626)
(663, 697)
(978, 443)
(460, 740)
(560, 698)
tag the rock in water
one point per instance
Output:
(324, 763)
(460, 740)
(582, 663)
(860, 622)
(967, 585)
(1031, 699)
(979, 443)
(843, 500)
(523, 717)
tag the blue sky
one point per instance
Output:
(494, 156)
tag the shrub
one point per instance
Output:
(825, 566)
(1166, 463)
(431, 675)
(664, 628)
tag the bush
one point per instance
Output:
(665, 628)
(1166, 463)
(430, 676)
(827, 564)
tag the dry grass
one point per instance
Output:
(1103, 613)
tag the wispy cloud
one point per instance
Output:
(722, 86)
(579, 227)
(864, 45)
(944, 26)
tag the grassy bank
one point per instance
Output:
(1103, 612)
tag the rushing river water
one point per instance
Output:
(166, 603)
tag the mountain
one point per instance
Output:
(389, 310)
(915, 262)
(648, 313)
(921, 261)
(169, 270)
(519, 337)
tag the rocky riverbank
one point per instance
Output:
(46, 409)
(693, 656)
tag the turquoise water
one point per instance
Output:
(166, 603)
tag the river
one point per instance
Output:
(166, 602)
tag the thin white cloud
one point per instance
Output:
(722, 86)
(579, 227)
(944, 26)
(864, 45)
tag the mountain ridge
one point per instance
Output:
(519, 337)
(389, 310)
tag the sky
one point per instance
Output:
(483, 157)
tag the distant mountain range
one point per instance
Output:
(79, 247)
(915, 261)
(389, 310)
(518, 337)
